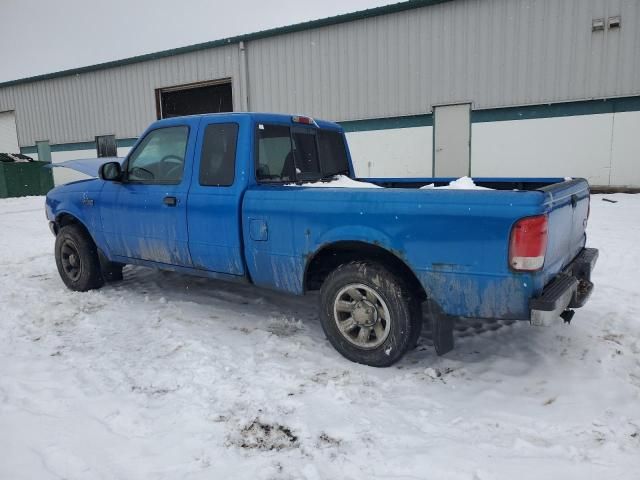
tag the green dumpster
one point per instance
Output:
(18, 179)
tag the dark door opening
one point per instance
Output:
(193, 100)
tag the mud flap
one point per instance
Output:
(442, 333)
(111, 271)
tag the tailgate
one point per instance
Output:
(567, 205)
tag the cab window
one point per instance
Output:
(298, 154)
(218, 157)
(274, 154)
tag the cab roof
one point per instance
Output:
(259, 117)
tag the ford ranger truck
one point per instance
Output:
(235, 196)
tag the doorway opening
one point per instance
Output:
(194, 99)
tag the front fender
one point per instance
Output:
(79, 200)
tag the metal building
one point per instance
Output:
(424, 88)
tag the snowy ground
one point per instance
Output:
(165, 376)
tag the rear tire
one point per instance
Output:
(368, 314)
(77, 259)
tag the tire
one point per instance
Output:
(368, 314)
(77, 259)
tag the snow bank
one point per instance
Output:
(463, 183)
(342, 181)
(339, 181)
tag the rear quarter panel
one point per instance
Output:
(456, 242)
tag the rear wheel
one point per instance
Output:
(77, 259)
(368, 314)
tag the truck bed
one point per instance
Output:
(498, 183)
(455, 241)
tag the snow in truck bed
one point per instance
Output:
(165, 376)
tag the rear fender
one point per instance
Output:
(356, 233)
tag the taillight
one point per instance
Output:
(528, 243)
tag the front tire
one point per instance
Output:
(77, 259)
(368, 314)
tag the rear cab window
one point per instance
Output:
(288, 154)
(218, 156)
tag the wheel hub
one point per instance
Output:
(362, 316)
(365, 313)
(71, 262)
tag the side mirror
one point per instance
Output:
(110, 171)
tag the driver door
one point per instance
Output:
(144, 216)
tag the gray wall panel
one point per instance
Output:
(118, 100)
(494, 53)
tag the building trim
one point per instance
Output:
(387, 123)
(272, 32)
(70, 147)
(564, 109)
(528, 112)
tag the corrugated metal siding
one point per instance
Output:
(118, 100)
(493, 53)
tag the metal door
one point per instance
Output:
(8, 133)
(451, 140)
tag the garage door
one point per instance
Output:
(8, 133)
(215, 97)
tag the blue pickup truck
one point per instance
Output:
(234, 196)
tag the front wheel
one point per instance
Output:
(368, 314)
(77, 259)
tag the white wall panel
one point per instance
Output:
(625, 150)
(399, 152)
(576, 146)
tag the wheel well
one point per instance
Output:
(65, 219)
(332, 256)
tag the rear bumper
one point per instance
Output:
(569, 289)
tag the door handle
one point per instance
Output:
(170, 201)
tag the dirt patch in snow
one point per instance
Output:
(265, 436)
(284, 326)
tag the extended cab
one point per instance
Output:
(235, 196)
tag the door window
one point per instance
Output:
(218, 158)
(159, 158)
